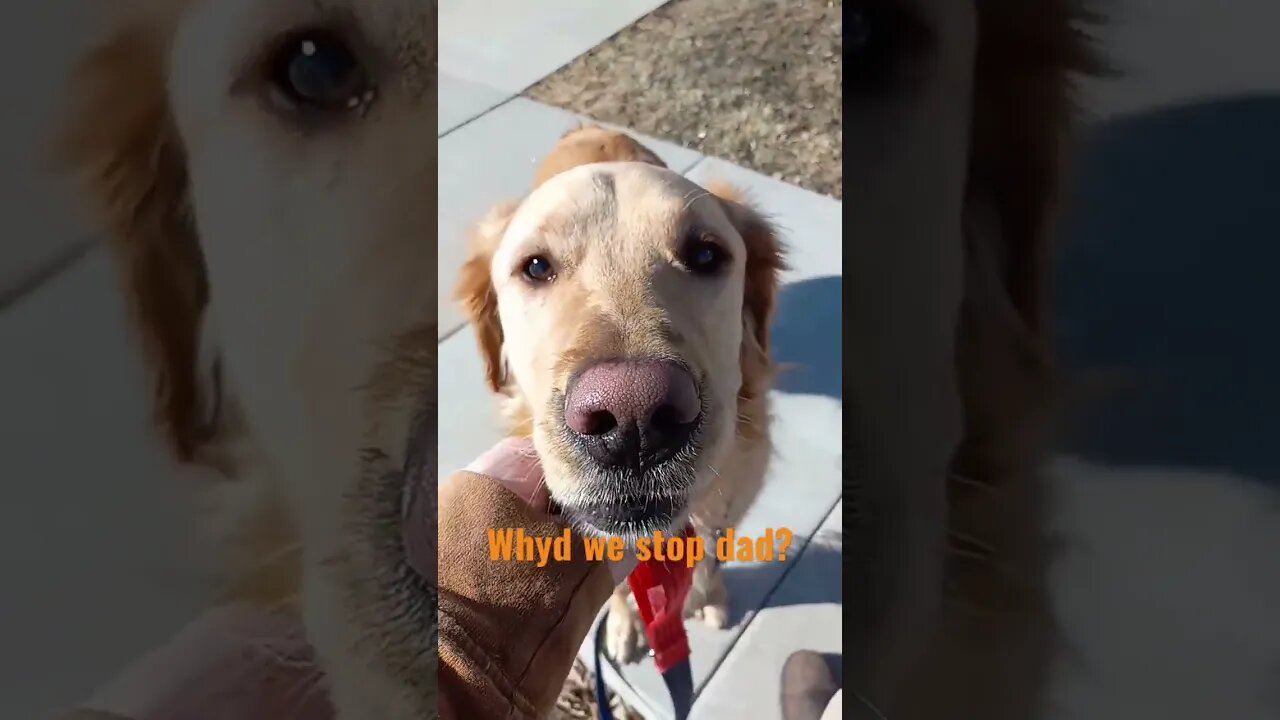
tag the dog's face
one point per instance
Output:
(621, 293)
(309, 134)
(268, 175)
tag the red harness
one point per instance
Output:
(660, 589)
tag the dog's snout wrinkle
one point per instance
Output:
(633, 412)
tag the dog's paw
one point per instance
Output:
(708, 599)
(715, 617)
(624, 639)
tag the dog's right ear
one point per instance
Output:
(476, 294)
(120, 144)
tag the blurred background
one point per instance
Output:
(1165, 293)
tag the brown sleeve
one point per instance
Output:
(508, 630)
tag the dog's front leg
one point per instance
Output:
(708, 598)
(624, 639)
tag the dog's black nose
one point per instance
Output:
(633, 413)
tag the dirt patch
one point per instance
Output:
(755, 82)
(578, 699)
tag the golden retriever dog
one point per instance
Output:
(266, 173)
(623, 313)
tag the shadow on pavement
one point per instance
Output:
(807, 338)
(812, 582)
(1168, 281)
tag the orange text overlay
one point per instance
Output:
(514, 545)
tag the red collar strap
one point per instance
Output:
(660, 589)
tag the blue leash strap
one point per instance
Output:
(678, 679)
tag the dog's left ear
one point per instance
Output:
(120, 143)
(476, 294)
(765, 263)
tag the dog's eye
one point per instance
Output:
(316, 70)
(538, 269)
(702, 256)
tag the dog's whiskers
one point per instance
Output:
(719, 487)
(694, 196)
(542, 483)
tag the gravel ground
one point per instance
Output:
(755, 82)
(578, 699)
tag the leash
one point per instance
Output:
(660, 589)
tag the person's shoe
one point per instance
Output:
(807, 686)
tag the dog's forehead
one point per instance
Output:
(602, 196)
